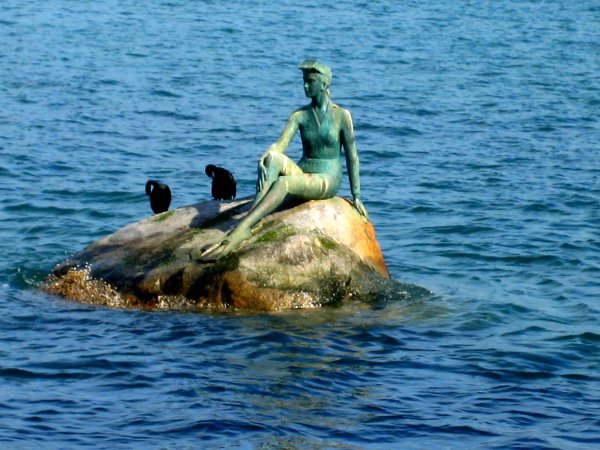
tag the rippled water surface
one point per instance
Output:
(477, 125)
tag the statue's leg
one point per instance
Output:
(306, 186)
(272, 198)
(276, 164)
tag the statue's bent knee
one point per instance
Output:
(272, 156)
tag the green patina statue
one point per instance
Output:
(324, 129)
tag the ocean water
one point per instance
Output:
(478, 130)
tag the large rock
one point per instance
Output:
(316, 253)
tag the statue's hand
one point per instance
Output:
(262, 172)
(360, 208)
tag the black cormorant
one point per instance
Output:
(223, 182)
(160, 196)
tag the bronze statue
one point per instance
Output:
(160, 196)
(325, 128)
(223, 183)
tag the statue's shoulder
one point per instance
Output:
(302, 109)
(341, 112)
(299, 113)
(339, 109)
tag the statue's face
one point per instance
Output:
(313, 84)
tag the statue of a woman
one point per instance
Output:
(324, 128)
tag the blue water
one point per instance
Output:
(478, 129)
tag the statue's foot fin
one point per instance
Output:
(206, 250)
(212, 252)
(226, 246)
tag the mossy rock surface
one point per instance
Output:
(317, 253)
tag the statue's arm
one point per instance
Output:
(347, 135)
(288, 133)
(291, 127)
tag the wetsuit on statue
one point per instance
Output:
(325, 129)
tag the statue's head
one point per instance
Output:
(312, 67)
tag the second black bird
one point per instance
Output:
(223, 182)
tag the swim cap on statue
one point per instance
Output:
(312, 65)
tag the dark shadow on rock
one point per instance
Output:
(225, 215)
(220, 215)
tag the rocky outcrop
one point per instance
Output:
(317, 253)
